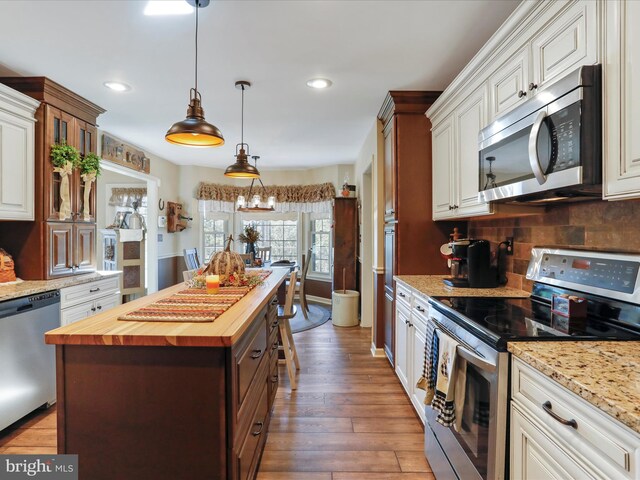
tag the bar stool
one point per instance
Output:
(286, 337)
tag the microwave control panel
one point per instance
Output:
(610, 274)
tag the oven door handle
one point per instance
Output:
(534, 160)
(476, 360)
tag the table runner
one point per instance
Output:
(190, 305)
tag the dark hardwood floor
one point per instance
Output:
(349, 419)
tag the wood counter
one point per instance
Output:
(106, 329)
(169, 400)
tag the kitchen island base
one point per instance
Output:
(193, 406)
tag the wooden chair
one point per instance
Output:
(264, 253)
(247, 258)
(301, 286)
(191, 258)
(286, 337)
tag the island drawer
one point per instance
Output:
(248, 357)
(249, 453)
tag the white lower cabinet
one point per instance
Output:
(81, 301)
(555, 434)
(411, 326)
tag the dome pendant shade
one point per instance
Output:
(194, 131)
(242, 168)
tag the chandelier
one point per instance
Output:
(253, 201)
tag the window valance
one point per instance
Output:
(289, 198)
(322, 192)
(124, 197)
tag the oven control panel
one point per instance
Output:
(614, 274)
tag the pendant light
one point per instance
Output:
(195, 131)
(242, 168)
(253, 202)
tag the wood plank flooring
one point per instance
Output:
(349, 419)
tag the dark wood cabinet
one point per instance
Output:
(345, 243)
(52, 246)
(412, 238)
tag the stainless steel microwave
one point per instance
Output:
(550, 147)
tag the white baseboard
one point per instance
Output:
(377, 352)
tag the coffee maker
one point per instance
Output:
(471, 265)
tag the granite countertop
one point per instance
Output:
(606, 374)
(432, 286)
(31, 287)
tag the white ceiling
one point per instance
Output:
(365, 47)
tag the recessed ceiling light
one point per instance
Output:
(117, 86)
(319, 83)
(168, 7)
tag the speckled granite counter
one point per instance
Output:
(606, 374)
(432, 286)
(31, 287)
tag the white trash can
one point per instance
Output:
(344, 308)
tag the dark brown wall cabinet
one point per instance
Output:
(345, 243)
(52, 246)
(411, 238)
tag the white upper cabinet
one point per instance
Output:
(567, 42)
(470, 118)
(508, 85)
(443, 161)
(17, 154)
(621, 101)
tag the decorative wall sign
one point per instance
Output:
(119, 152)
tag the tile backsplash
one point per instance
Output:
(596, 225)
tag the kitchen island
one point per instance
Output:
(167, 400)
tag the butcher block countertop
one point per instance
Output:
(432, 286)
(606, 374)
(105, 329)
(32, 287)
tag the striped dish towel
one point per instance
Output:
(427, 381)
(443, 400)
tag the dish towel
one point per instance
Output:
(448, 400)
(427, 381)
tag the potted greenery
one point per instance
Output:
(89, 170)
(64, 159)
(250, 236)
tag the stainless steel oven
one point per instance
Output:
(550, 147)
(609, 285)
(477, 451)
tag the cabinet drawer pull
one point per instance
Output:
(259, 431)
(256, 354)
(546, 406)
(274, 378)
(274, 324)
(274, 346)
(420, 309)
(94, 290)
(401, 294)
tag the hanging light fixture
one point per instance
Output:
(242, 168)
(195, 131)
(253, 201)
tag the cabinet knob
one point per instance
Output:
(93, 309)
(522, 93)
(533, 86)
(450, 207)
(260, 425)
(99, 307)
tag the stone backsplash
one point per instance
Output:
(597, 225)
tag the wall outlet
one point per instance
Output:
(509, 243)
(159, 238)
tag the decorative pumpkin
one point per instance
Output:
(225, 263)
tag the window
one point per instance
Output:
(321, 244)
(279, 234)
(214, 228)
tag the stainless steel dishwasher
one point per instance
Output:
(27, 364)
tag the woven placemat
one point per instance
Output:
(190, 305)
